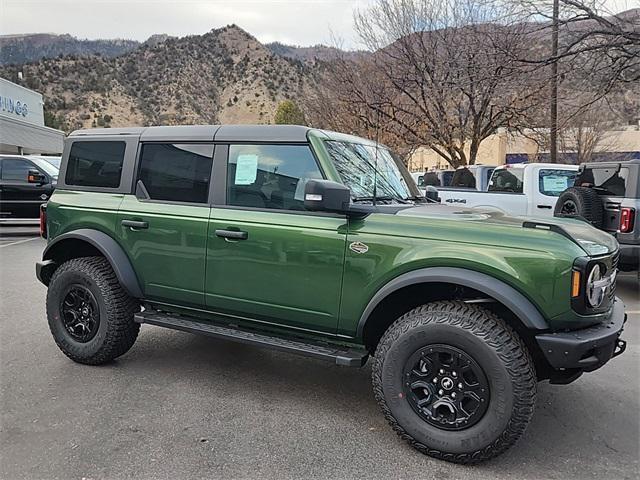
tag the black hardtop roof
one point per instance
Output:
(219, 133)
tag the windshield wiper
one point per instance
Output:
(604, 190)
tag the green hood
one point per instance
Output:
(594, 242)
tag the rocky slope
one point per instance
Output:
(224, 76)
(18, 49)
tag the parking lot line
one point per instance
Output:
(18, 242)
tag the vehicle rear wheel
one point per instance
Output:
(455, 381)
(581, 202)
(90, 315)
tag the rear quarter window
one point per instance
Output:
(95, 164)
(176, 172)
(553, 182)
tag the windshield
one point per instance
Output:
(361, 167)
(55, 161)
(46, 166)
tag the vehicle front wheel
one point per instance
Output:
(89, 313)
(455, 381)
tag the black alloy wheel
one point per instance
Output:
(446, 387)
(80, 313)
(569, 207)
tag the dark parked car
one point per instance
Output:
(25, 183)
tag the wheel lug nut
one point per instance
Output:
(435, 380)
(441, 371)
(454, 374)
(440, 392)
(460, 386)
(453, 395)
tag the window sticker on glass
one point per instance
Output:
(246, 169)
(555, 183)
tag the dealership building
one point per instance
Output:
(22, 129)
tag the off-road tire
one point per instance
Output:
(588, 205)
(493, 345)
(116, 332)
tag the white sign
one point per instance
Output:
(555, 183)
(20, 103)
(246, 169)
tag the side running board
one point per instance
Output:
(344, 356)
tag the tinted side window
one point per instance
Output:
(176, 172)
(431, 178)
(95, 164)
(270, 176)
(463, 177)
(447, 178)
(506, 180)
(16, 169)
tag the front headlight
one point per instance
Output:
(595, 288)
(593, 283)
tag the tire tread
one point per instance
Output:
(122, 331)
(499, 337)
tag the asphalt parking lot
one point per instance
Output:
(183, 406)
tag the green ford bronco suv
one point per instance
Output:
(319, 243)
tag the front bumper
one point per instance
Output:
(586, 349)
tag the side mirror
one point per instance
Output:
(432, 194)
(35, 176)
(327, 196)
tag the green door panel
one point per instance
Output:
(288, 271)
(169, 256)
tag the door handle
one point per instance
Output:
(232, 234)
(135, 224)
(545, 206)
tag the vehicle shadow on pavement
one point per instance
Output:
(588, 426)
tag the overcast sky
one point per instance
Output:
(297, 22)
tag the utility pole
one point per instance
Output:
(553, 137)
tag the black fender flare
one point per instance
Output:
(111, 250)
(521, 306)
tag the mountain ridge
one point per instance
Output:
(222, 76)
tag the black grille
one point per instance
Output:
(612, 268)
(614, 259)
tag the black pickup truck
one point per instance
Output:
(25, 183)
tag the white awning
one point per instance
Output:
(15, 134)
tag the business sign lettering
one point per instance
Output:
(10, 105)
